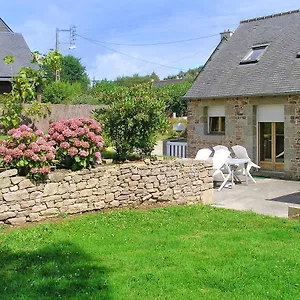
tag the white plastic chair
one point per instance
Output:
(241, 152)
(220, 147)
(222, 171)
(203, 154)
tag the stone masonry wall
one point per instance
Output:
(107, 186)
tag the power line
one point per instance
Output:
(130, 56)
(157, 44)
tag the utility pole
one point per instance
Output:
(71, 43)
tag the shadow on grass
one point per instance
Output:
(60, 271)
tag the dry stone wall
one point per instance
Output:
(107, 186)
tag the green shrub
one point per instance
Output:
(61, 92)
(133, 122)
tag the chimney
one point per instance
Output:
(226, 34)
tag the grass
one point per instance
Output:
(191, 252)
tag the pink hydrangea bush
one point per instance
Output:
(78, 142)
(31, 152)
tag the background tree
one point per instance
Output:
(129, 81)
(189, 75)
(73, 71)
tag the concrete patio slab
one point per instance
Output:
(267, 196)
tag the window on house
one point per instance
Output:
(216, 120)
(217, 125)
(254, 54)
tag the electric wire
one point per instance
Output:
(130, 56)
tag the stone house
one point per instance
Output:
(11, 43)
(248, 93)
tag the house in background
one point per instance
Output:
(11, 44)
(248, 93)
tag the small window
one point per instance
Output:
(298, 55)
(254, 54)
(216, 125)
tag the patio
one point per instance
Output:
(267, 196)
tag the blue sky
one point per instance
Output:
(134, 22)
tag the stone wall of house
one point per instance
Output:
(107, 186)
(241, 127)
(64, 112)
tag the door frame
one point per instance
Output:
(273, 164)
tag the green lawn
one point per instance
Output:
(192, 252)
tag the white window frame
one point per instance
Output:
(215, 111)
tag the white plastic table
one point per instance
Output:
(232, 162)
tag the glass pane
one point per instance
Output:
(255, 53)
(223, 124)
(213, 124)
(265, 141)
(279, 142)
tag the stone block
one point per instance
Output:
(34, 217)
(122, 198)
(7, 215)
(13, 188)
(26, 183)
(5, 182)
(63, 188)
(207, 197)
(76, 208)
(50, 189)
(92, 183)
(27, 203)
(8, 173)
(17, 179)
(115, 203)
(38, 208)
(50, 212)
(16, 196)
(109, 197)
(3, 208)
(17, 221)
(77, 178)
(81, 186)
(99, 205)
(136, 177)
(36, 195)
(56, 177)
(86, 193)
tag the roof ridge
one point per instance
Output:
(271, 16)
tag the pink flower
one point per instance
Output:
(16, 135)
(72, 151)
(25, 128)
(85, 145)
(7, 159)
(38, 132)
(83, 153)
(22, 146)
(64, 145)
(34, 157)
(43, 158)
(26, 134)
(97, 154)
(44, 170)
(34, 170)
(77, 143)
(28, 153)
(50, 156)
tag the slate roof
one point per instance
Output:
(4, 27)
(277, 71)
(13, 44)
(167, 82)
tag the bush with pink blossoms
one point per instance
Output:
(78, 142)
(31, 152)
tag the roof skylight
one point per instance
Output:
(254, 54)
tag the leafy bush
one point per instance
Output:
(133, 121)
(59, 92)
(78, 142)
(30, 152)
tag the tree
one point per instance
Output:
(73, 71)
(129, 81)
(173, 97)
(133, 121)
(189, 75)
(26, 89)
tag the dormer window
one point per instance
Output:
(298, 55)
(254, 54)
